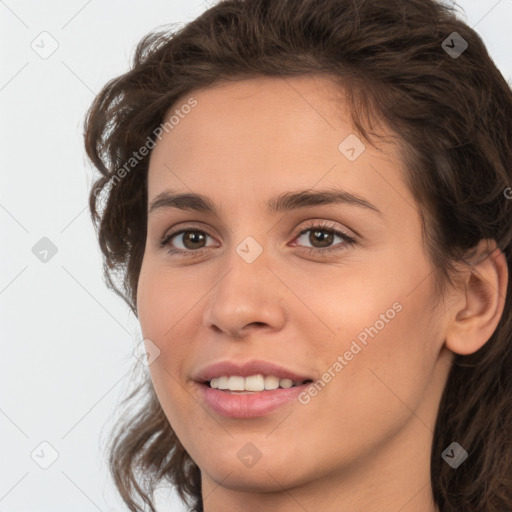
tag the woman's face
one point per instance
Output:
(356, 312)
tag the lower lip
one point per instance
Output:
(251, 405)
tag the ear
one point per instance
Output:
(479, 300)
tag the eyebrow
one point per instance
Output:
(286, 201)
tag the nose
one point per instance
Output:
(247, 297)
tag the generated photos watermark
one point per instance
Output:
(357, 345)
(144, 150)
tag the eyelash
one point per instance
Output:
(319, 226)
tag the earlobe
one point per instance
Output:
(483, 289)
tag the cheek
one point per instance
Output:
(393, 353)
(165, 309)
(163, 301)
(388, 336)
(379, 390)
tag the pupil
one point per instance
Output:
(324, 240)
(193, 237)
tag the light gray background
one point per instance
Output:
(67, 341)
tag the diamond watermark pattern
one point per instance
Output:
(454, 455)
(455, 45)
(352, 147)
(249, 249)
(44, 455)
(45, 45)
(146, 352)
(44, 250)
(249, 455)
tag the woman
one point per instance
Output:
(309, 204)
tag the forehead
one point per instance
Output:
(262, 134)
(252, 115)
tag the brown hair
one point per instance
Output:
(453, 115)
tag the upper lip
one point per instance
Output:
(247, 368)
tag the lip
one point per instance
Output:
(251, 405)
(247, 368)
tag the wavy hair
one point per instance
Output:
(453, 117)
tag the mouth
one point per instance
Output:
(251, 388)
(253, 384)
(248, 404)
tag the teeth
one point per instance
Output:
(252, 383)
(271, 382)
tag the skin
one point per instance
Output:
(363, 443)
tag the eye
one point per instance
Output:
(192, 239)
(324, 234)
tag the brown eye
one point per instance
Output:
(186, 240)
(193, 239)
(323, 237)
